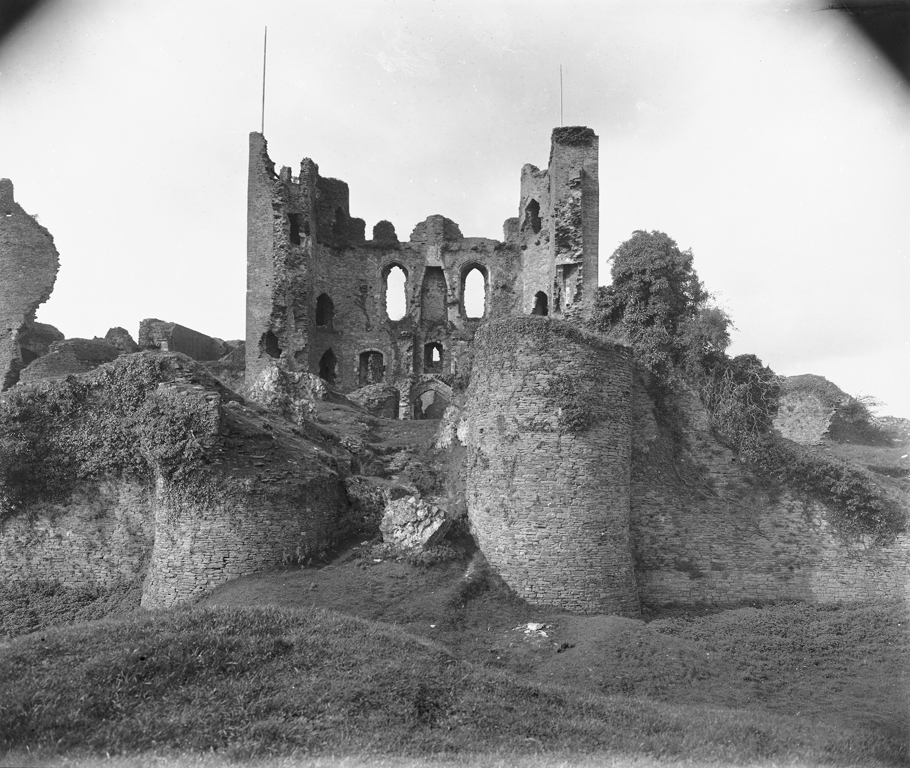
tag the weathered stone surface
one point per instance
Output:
(413, 523)
(69, 357)
(173, 337)
(807, 407)
(317, 293)
(230, 369)
(28, 270)
(548, 432)
(705, 530)
(293, 395)
(121, 339)
(378, 399)
(259, 495)
(36, 338)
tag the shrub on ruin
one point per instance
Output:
(55, 434)
(741, 396)
(657, 304)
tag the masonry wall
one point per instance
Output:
(173, 337)
(102, 536)
(28, 270)
(259, 494)
(548, 502)
(304, 246)
(703, 529)
(249, 528)
(69, 357)
(575, 203)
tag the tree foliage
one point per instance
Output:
(657, 303)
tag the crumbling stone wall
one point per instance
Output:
(317, 290)
(102, 535)
(68, 357)
(28, 270)
(182, 508)
(173, 337)
(248, 529)
(35, 340)
(704, 529)
(547, 427)
(574, 200)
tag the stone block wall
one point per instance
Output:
(102, 536)
(306, 253)
(256, 494)
(247, 529)
(547, 427)
(173, 337)
(705, 529)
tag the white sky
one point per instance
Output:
(765, 136)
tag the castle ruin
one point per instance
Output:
(317, 288)
(576, 491)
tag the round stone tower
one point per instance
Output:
(548, 432)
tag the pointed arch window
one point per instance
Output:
(474, 292)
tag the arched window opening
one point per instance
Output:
(328, 367)
(325, 311)
(338, 222)
(432, 357)
(269, 344)
(372, 368)
(395, 295)
(474, 293)
(295, 228)
(532, 216)
(430, 404)
(540, 304)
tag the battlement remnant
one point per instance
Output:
(321, 298)
(28, 270)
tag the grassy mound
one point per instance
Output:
(271, 681)
(847, 664)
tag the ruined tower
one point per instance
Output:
(28, 271)
(318, 290)
(548, 430)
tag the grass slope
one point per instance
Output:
(260, 681)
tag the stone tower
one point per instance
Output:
(558, 227)
(548, 430)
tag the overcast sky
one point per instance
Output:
(765, 136)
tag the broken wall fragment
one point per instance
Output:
(28, 271)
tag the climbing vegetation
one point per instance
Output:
(657, 303)
(114, 421)
(659, 306)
